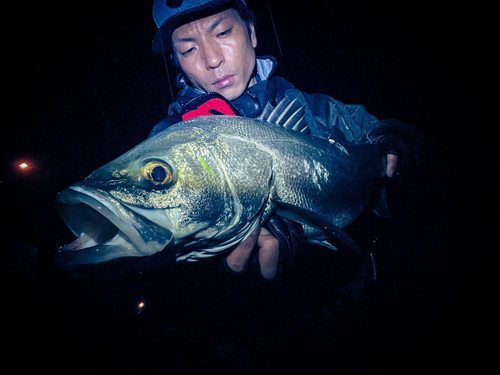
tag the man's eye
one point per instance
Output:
(185, 53)
(225, 33)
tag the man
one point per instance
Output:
(213, 43)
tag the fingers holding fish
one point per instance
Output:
(237, 260)
(269, 254)
(391, 164)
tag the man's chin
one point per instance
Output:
(233, 91)
(230, 93)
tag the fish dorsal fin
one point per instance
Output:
(338, 238)
(290, 113)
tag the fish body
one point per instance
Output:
(201, 186)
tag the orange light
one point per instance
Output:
(140, 305)
(23, 165)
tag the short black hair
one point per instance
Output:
(246, 14)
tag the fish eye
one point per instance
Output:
(157, 172)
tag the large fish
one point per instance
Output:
(201, 186)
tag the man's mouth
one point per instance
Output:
(224, 81)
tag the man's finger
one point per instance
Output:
(392, 163)
(238, 258)
(269, 254)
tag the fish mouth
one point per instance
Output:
(105, 229)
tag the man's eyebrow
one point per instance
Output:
(216, 23)
(209, 29)
(179, 40)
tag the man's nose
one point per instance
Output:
(213, 56)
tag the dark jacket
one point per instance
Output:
(326, 116)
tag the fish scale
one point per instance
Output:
(224, 175)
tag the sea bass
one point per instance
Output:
(201, 186)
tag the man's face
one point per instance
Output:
(217, 53)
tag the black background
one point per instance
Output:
(82, 86)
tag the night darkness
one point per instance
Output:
(83, 87)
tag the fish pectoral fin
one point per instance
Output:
(337, 237)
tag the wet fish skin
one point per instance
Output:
(227, 175)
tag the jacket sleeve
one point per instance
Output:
(163, 124)
(330, 118)
(172, 118)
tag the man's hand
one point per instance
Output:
(268, 253)
(391, 164)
